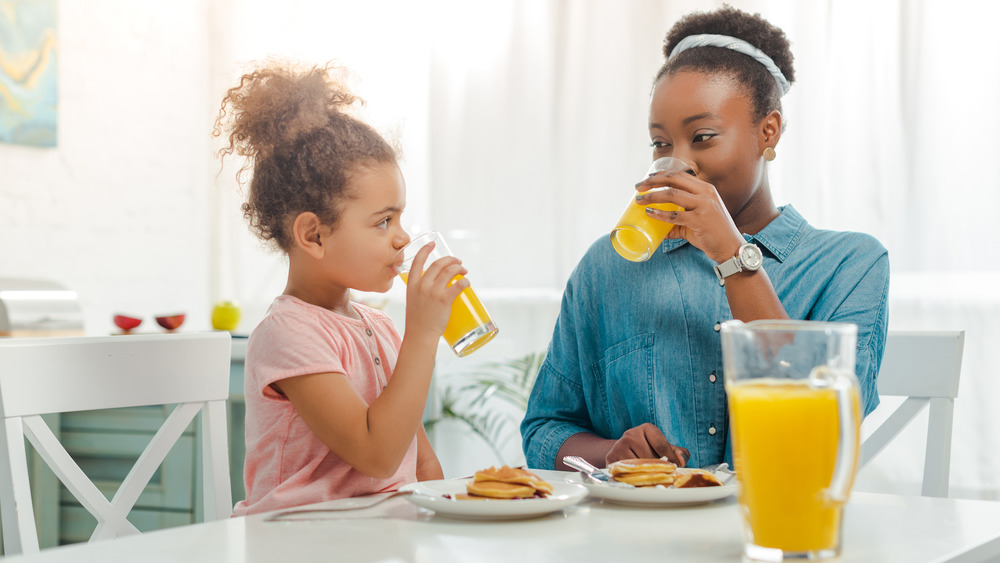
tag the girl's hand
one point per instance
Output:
(705, 221)
(428, 296)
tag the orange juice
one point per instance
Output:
(784, 448)
(637, 235)
(469, 326)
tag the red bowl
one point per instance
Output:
(170, 322)
(127, 323)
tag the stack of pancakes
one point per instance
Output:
(506, 483)
(648, 472)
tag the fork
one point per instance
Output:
(722, 471)
(592, 473)
(289, 515)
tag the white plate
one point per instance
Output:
(430, 494)
(655, 496)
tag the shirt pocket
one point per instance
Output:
(625, 378)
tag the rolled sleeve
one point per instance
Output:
(867, 307)
(555, 412)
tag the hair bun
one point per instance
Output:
(276, 106)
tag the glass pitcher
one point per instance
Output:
(795, 418)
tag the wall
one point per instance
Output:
(117, 211)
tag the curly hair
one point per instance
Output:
(301, 145)
(756, 81)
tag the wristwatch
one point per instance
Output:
(748, 257)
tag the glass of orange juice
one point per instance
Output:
(469, 326)
(637, 235)
(795, 419)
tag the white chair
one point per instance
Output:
(924, 367)
(40, 376)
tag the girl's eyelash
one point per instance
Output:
(658, 144)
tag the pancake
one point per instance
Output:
(514, 475)
(498, 490)
(690, 478)
(646, 479)
(641, 465)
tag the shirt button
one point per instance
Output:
(717, 327)
(368, 331)
(377, 361)
(711, 430)
(711, 377)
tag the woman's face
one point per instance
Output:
(706, 120)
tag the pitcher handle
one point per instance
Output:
(845, 466)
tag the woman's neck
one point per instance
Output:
(758, 212)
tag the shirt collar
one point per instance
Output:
(779, 237)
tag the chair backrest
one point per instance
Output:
(56, 375)
(924, 367)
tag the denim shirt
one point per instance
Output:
(639, 342)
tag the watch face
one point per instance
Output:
(750, 256)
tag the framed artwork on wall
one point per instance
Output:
(28, 72)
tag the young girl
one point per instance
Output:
(334, 397)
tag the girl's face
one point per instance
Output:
(368, 234)
(706, 120)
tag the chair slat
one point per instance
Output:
(218, 502)
(65, 468)
(19, 533)
(937, 459)
(140, 369)
(921, 364)
(897, 421)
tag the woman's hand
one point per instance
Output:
(705, 221)
(429, 297)
(646, 441)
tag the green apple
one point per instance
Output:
(225, 315)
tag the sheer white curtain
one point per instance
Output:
(524, 128)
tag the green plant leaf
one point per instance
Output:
(470, 397)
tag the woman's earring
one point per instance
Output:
(769, 154)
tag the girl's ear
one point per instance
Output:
(770, 130)
(307, 234)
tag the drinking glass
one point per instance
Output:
(637, 235)
(469, 326)
(795, 418)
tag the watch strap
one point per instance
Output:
(728, 268)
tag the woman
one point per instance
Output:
(634, 368)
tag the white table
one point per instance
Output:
(878, 528)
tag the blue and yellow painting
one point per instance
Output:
(28, 72)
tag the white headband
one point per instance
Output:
(738, 45)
